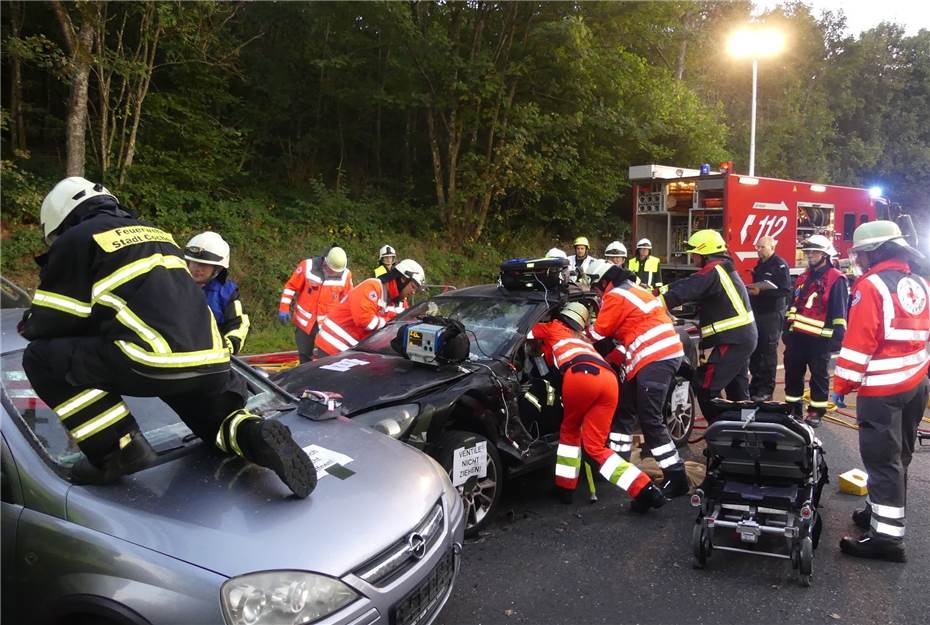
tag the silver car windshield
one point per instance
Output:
(492, 324)
(160, 424)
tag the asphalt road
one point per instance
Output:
(543, 562)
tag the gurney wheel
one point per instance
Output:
(699, 545)
(806, 561)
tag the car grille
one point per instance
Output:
(402, 555)
(423, 601)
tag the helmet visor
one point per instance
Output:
(201, 255)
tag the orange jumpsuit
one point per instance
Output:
(589, 397)
(363, 311)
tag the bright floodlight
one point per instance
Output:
(755, 43)
(875, 192)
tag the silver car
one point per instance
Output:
(205, 538)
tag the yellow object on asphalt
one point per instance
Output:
(854, 482)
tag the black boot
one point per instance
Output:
(676, 482)
(814, 418)
(268, 443)
(564, 495)
(863, 518)
(134, 454)
(875, 548)
(649, 497)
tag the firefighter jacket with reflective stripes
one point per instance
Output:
(363, 311)
(775, 270)
(818, 304)
(722, 302)
(885, 348)
(312, 294)
(562, 346)
(113, 276)
(647, 271)
(223, 299)
(644, 332)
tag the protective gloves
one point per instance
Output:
(284, 317)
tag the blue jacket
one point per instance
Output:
(223, 299)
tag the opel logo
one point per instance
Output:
(417, 545)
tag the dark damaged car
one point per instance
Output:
(495, 414)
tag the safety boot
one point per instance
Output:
(863, 518)
(676, 483)
(876, 548)
(134, 454)
(814, 418)
(649, 497)
(565, 495)
(268, 443)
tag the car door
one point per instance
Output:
(12, 509)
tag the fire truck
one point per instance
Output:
(669, 203)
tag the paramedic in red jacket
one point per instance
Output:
(633, 324)
(589, 397)
(884, 356)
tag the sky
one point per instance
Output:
(864, 14)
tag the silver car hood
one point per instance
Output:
(225, 515)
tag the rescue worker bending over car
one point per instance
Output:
(117, 313)
(634, 326)
(727, 323)
(884, 356)
(368, 308)
(814, 329)
(589, 397)
(207, 256)
(317, 284)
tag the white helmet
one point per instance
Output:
(386, 250)
(64, 198)
(819, 243)
(646, 243)
(336, 259)
(208, 248)
(556, 253)
(615, 249)
(597, 268)
(412, 269)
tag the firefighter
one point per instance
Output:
(387, 256)
(117, 313)
(727, 324)
(207, 256)
(318, 284)
(578, 263)
(649, 352)
(884, 356)
(589, 398)
(645, 265)
(368, 307)
(768, 306)
(814, 328)
(616, 253)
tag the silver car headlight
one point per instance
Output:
(393, 420)
(282, 598)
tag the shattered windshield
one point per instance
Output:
(491, 324)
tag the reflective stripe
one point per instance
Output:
(656, 347)
(568, 451)
(78, 402)
(792, 398)
(376, 323)
(840, 321)
(888, 530)
(132, 321)
(562, 470)
(853, 356)
(286, 300)
(639, 303)
(610, 466)
(810, 321)
(332, 340)
(619, 436)
(62, 303)
(670, 461)
(818, 404)
(178, 359)
(135, 269)
(234, 427)
(664, 449)
(887, 364)
(841, 372)
(889, 512)
(243, 330)
(628, 477)
(620, 447)
(333, 327)
(100, 422)
(817, 331)
(290, 292)
(534, 401)
(892, 333)
(568, 355)
(888, 379)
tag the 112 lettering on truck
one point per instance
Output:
(670, 203)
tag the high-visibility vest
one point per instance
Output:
(314, 293)
(644, 332)
(885, 348)
(362, 312)
(561, 346)
(647, 272)
(808, 311)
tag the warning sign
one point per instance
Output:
(119, 238)
(468, 462)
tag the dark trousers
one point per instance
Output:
(887, 435)
(727, 369)
(643, 397)
(764, 361)
(83, 380)
(803, 352)
(305, 342)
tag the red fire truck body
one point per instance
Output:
(670, 203)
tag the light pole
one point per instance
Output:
(755, 44)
